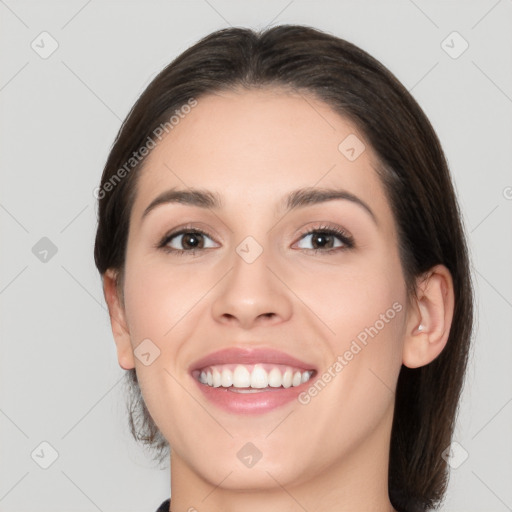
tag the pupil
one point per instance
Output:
(322, 237)
(188, 236)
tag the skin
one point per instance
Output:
(253, 148)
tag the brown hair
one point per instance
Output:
(417, 182)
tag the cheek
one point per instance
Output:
(156, 298)
(363, 307)
(355, 297)
(159, 305)
(367, 308)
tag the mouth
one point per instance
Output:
(252, 378)
(246, 381)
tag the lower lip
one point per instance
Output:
(252, 403)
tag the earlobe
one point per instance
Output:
(118, 322)
(430, 318)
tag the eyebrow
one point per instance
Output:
(296, 199)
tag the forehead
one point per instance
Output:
(254, 146)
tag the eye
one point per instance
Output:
(327, 239)
(186, 240)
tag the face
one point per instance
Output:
(321, 282)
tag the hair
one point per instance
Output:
(417, 183)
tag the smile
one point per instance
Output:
(257, 376)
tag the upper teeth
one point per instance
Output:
(253, 376)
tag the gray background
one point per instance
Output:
(60, 381)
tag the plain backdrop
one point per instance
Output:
(60, 383)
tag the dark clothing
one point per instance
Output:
(164, 507)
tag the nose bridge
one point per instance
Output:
(250, 266)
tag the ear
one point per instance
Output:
(118, 320)
(429, 318)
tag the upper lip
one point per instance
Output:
(249, 356)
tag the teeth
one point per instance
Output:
(241, 377)
(216, 378)
(259, 378)
(287, 378)
(274, 378)
(253, 376)
(227, 378)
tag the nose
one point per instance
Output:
(252, 293)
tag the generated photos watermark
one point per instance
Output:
(137, 156)
(356, 346)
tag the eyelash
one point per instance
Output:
(342, 235)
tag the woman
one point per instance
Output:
(287, 277)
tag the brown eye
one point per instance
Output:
(186, 241)
(192, 240)
(327, 239)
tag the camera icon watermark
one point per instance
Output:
(249, 249)
(351, 147)
(249, 455)
(44, 250)
(44, 45)
(147, 352)
(44, 455)
(455, 455)
(454, 45)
